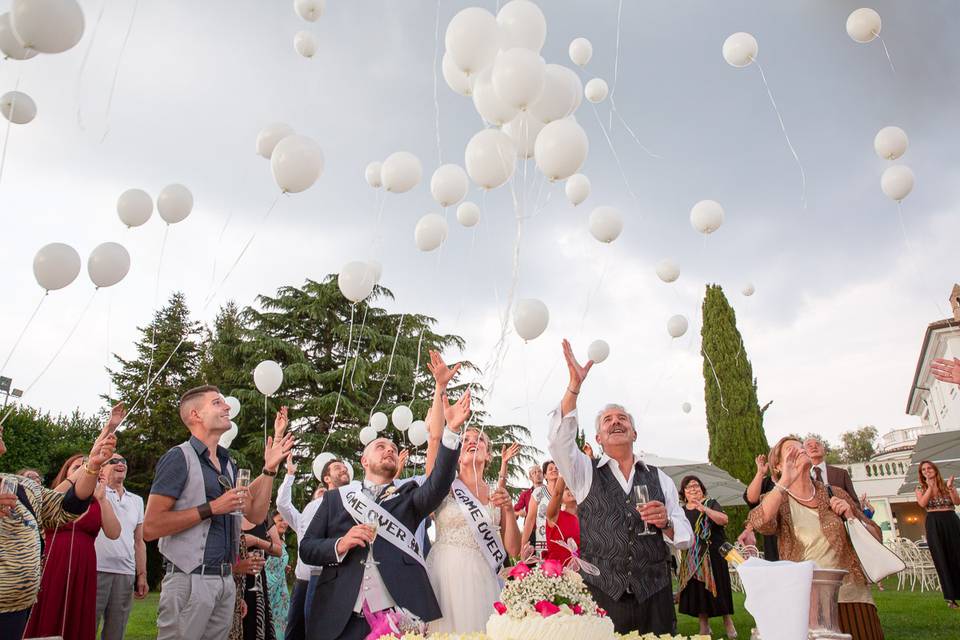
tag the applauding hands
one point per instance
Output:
(946, 370)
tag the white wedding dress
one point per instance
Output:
(465, 585)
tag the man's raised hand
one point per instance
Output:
(577, 373)
(458, 412)
(441, 372)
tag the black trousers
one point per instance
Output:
(356, 629)
(13, 624)
(653, 615)
(296, 618)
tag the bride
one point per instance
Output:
(464, 574)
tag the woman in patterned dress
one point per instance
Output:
(276, 571)
(252, 618)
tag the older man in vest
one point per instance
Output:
(190, 510)
(634, 583)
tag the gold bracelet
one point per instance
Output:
(89, 471)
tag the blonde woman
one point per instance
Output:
(808, 523)
(462, 572)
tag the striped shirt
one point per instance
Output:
(20, 539)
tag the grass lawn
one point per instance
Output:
(904, 615)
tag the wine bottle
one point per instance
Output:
(730, 554)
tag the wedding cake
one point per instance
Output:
(547, 602)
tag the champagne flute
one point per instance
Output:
(243, 480)
(9, 485)
(372, 521)
(255, 553)
(642, 495)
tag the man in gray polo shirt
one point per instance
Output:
(190, 509)
(121, 563)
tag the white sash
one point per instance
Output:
(486, 535)
(359, 505)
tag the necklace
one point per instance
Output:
(812, 495)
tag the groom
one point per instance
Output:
(375, 569)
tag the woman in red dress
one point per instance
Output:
(562, 523)
(67, 603)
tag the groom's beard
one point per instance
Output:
(386, 468)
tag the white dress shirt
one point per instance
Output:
(823, 471)
(577, 472)
(118, 556)
(298, 521)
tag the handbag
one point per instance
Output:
(876, 560)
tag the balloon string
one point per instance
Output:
(56, 353)
(265, 417)
(216, 252)
(911, 254)
(803, 175)
(336, 406)
(109, 350)
(156, 296)
(116, 71)
(22, 332)
(661, 378)
(616, 65)
(436, 97)
(416, 368)
(593, 290)
(616, 156)
(703, 350)
(377, 237)
(356, 357)
(631, 132)
(886, 51)
(83, 64)
(393, 350)
(6, 135)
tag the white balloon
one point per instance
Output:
(56, 265)
(379, 421)
(228, 436)
(268, 376)
(305, 43)
(685, 407)
(740, 49)
(376, 270)
(18, 107)
(523, 131)
(309, 10)
(667, 270)
(47, 26)
(430, 232)
(356, 280)
(530, 318)
(491, 107)
(367, 435)
(174, 203)
(596, 90)
(606, 223)
(577, 188)
(108, 264)
(706, 216)
(270, 135)
(890, 143)
(320, 462)
(863, 25)
(400, 172)
(372, 174)
(560, 96)
(297, 163)
(518, 76)
(522, 24)
(748, 289)
(9, 44)
(455, 77)
(449, 184)
(598, 351)
(677, 326)
(134, 206)
(580, 51)
(897, 182)
(473, 39)
(490, 158)
(561, 149)
(468, 214)
(234, 405)
(418, 433)
(402, 417)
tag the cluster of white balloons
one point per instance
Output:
(174, 204)
(296, 160)
(891, 143)
(57, 265)
(357, 279)
(496, 61)
(304, 42)
(228, 436)
(399, 173)
(402, 419)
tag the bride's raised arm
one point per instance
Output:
(442, 375)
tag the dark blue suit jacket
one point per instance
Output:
(338, 585)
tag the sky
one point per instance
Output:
(843, 292)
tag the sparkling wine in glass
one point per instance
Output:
(642, 495)
(9, 485)
(372, 521)
(243, 481)
(255, 553)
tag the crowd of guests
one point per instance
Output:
(75, 557)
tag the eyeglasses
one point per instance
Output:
(116, 461)
(225, 482)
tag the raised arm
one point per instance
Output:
(923, 497)
(530, 521)
(574, 465)
(285, 496)
(752, 495)
(946, 370)
(553, 507)
(261, 489)
(442, 375)
(428, 496)
(109, 521)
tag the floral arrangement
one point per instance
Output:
(545, 590)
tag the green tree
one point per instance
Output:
(734, 417)
(43, 442)
(858, 445)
